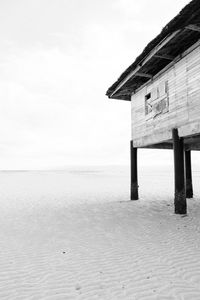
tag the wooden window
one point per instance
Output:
(156, 101)
(161, 106)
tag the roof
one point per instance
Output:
(177, 36)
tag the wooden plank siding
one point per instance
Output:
(183, 80)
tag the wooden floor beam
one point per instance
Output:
(179, 174)
(134, 175)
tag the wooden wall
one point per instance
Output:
(183, 96)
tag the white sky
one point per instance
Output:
(57, 59)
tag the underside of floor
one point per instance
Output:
(189, 143)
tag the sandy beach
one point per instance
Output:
(74, 234)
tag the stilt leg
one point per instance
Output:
(134, 177)
(179, 178)
(188, 175)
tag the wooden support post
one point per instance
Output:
(179, 174)
(134, 177)
(188, 174)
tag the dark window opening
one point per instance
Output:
(148, 106)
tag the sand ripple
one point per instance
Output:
(103, 250)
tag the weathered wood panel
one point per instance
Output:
(172, 100)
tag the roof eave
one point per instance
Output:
(136, 70)
(163, 55)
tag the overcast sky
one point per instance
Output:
(57, 59)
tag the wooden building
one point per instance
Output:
(163, 85)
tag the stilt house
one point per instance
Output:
(163, 85)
